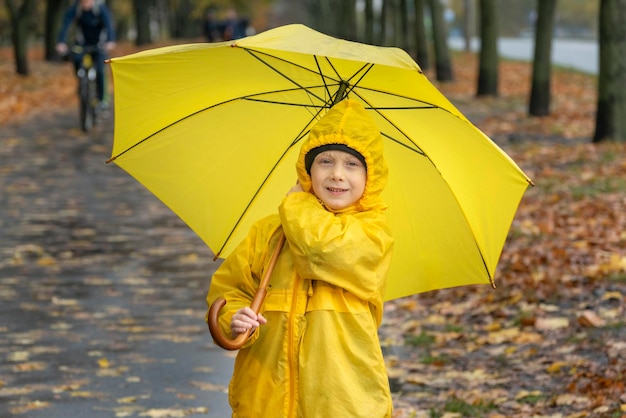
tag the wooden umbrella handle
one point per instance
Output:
(257, 302)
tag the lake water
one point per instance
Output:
(581, 55)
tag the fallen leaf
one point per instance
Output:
(103, 363)
(590, 319)
(556, 366)
(127, 399)
(29, 407)
(547, 324)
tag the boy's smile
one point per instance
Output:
(338, 179)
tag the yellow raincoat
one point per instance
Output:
(319, 353)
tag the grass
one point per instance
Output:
(421, 340)
(465, 409)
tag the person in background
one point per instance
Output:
(211, 27)
(94, 28)
(234, 27)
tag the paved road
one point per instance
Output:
(578, 54)
(101, 287)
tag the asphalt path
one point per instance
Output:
(101, 286)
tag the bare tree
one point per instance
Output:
(468, 23)
(54, 13)
(611, 109)
(403, 25)
(421, 40)
(20, 17)
(346, 19)
(443, 63)
(142, 20)
(542, 63)
(369, 22)
(384, 11)
(488, 57)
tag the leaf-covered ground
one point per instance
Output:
(550, 341)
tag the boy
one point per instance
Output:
(315, 350)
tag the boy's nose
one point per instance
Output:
(337, 173)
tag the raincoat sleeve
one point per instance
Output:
(237, 279)
(351, 251)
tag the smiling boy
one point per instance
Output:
(315, 351)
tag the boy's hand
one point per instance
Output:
(245, 319)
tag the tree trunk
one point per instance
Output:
(542, 63)
(469, 23)
(54, 15)
(20, 19)
(443, 64)
(421, 40)
(346, 20)
(179, 20)
(403, 20)
(142, 20)
(368, 34)
(488, 58)
(384, 8)
(611, 110)
(324, 16)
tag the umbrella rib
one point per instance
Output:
(298, 137)
(319, 71)
(418, 150)
(256, 54)
(250, 98)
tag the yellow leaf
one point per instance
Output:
(528, 338)
(556, 367)
(83, 394)
(502, 336)
(494, 326)
(128, 399)
(46, 261)
(30, 366)
(569, 399)
(30, 406)
(612, 295)
(103, 363)
(525, 394)
(163, 413)
(510, 350)
(551, 323)
(19, 356)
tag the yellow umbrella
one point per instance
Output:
(214, 130)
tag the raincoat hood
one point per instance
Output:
(349, 124)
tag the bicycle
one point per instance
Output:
(87, 89)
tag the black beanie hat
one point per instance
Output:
(310, 156)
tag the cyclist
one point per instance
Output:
(94, 28)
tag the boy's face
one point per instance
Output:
(338, 179)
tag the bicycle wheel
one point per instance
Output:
(84, 105)
(93, 101)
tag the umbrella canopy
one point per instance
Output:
(214, 131)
